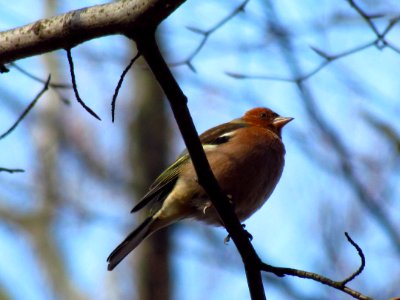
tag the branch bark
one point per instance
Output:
(75, 27)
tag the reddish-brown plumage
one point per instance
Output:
(246, 156)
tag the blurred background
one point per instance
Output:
(322, 62)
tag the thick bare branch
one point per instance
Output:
(72, 28)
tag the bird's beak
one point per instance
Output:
(279, 122)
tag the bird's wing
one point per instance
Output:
(164, 183)
(220, 134)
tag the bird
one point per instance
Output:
(246, 156)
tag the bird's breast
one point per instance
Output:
(247, 169)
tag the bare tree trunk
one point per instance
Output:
(40, 224)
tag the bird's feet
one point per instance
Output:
(228, 237)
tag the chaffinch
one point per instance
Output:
(246, 156)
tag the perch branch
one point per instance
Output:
(147, 46)
(70, 29)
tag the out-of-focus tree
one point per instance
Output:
(148, 136)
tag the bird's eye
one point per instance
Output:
(263, 115)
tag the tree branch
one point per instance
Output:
(339, 285)
(11, 170)
(70, 29)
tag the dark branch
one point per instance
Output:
(361, 254)
(339, 285)
(28, 109)
(121, 79)
(365, 16)
(380, 41)
(11, 170)
(75, 87)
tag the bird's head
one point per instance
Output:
(266, 118)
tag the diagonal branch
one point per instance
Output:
(147, 45)
(28, 109)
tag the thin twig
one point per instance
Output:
(55, 86)
(391, 24)
(75, 87)
(121, 79)
(206, 35)
(328, 59)
(27, 110)
(11, 170)
(365, 16)
(38, 79)
(339, 285)
(379, 42)
(361, 254)
(313, 276)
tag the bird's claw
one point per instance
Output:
(249, 235)
(206, 206)
(227, 239)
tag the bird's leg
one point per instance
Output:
(249, 236)
(228, 237)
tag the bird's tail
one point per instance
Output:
(130, 243)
